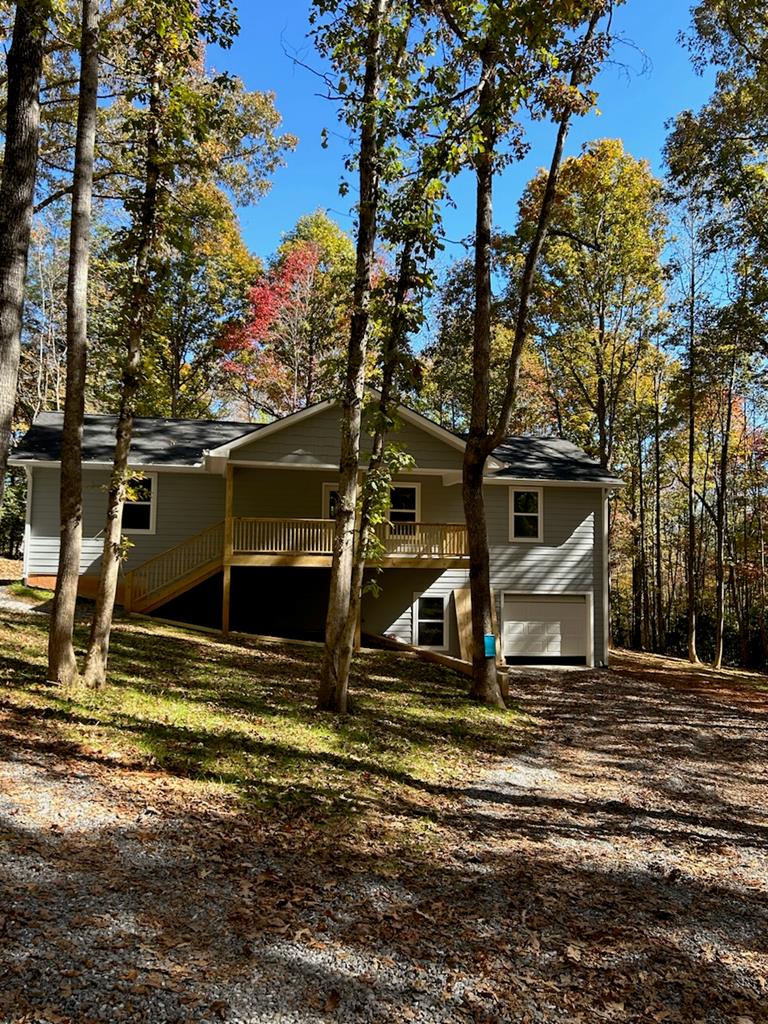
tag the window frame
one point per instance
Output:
(152, 528)
(327, 488)
(415, 486)
(521, 489)
(415, 619)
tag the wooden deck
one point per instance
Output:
(299, 543)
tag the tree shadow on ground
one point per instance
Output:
(567, 884)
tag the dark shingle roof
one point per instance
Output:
(158, 442)
(166, 442)
(549, 458)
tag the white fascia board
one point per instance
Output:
(269, 429)
(134, 467)
(547, 482)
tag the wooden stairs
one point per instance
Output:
(173, 572)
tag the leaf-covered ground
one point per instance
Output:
(197, 844)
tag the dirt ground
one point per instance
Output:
(613, 870)
(10, 569)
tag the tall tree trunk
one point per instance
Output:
(637, 585)
(62, 665)
(17, 192)
(658, 592)
(339, 628)
(101, 626)
(762, 590)
(691, 483)
(720, 524)
(393, 343)
(601, 410)
(485, 686)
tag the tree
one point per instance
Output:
(445, 390)
(288, 354)
(62, 664)
(364, 26)
(204, 273)
(600, 295)
(511, 55)
(17, 189)
(184, 124)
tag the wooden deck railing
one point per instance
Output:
(152, 581)
(424, 540)
(315, 537)
(282, 536)
(174, 564)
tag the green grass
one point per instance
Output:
(241, 716)
(32, 594)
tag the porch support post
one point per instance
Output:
(228, 549)
(225, 600)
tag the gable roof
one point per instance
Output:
(155, 442)
(187, 443)
(549, 458)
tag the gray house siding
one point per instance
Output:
(568, 561)
(265, 493)
(186, 504)
(314, 441)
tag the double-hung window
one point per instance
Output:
(430, 627)
(403, 509)
(140, 502)
(525, 514)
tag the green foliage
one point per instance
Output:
(201, 287)
(600, 296)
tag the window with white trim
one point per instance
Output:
(404, 503)
(525, 514)
(430, 623)
(330, 501)
(139, 507)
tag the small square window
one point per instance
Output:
(525, 519)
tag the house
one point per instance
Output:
(230, 524)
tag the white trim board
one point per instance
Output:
(539, 538)
(153, 497)
(417, 595)
(531, 482)
(27, 522)
(134, 467)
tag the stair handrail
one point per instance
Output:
(137, 586)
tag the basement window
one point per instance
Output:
(139, 507)
(429, 621)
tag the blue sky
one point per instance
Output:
(635, 102)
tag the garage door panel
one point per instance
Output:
(545, 627)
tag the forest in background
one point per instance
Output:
(646, 328)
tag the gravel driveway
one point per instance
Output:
(615, 871)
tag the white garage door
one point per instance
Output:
(535, 626)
